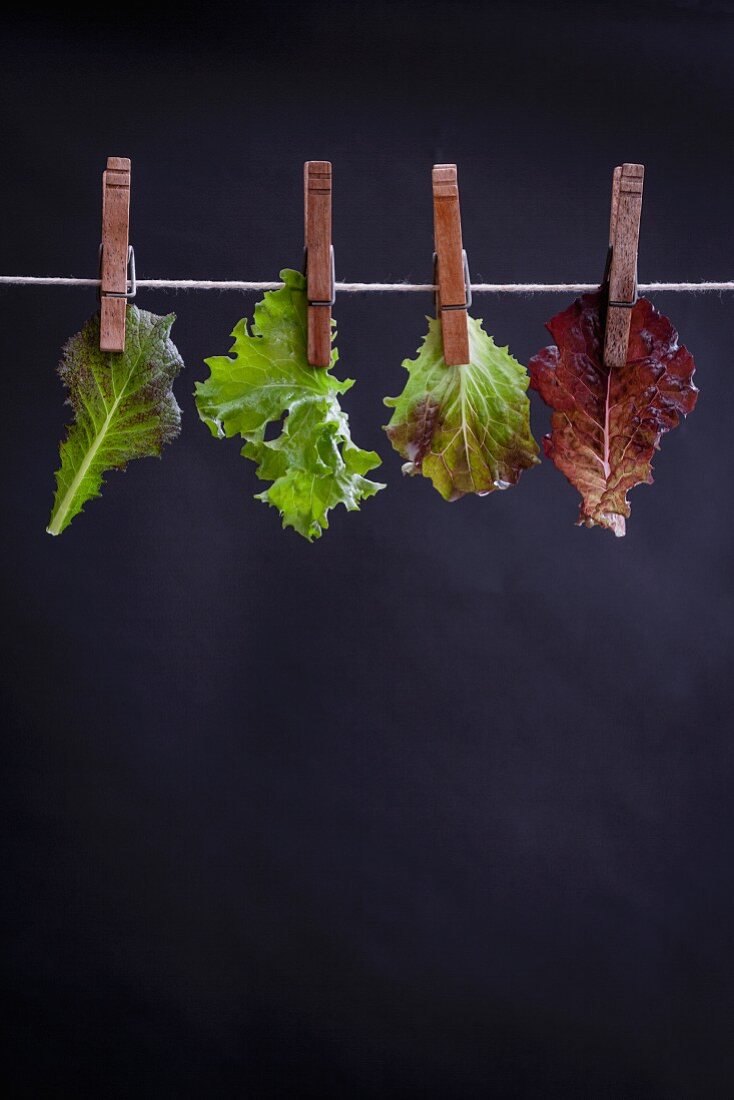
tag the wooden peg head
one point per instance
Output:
(319, 261)
(114, 258)
(624, 236)
(451, 296)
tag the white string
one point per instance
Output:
(362, 288)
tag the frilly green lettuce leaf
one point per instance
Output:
(123, 404)
(466, 428)
(312, 464)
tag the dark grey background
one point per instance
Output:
(441, 805)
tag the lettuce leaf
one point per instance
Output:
(466, 428)
(123, 404)
(312, 463)
(606, 425)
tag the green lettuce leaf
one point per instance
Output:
(466, 428)
(312, 462)
(123, 405)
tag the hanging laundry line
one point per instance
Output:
(369, 288)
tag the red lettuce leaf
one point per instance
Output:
(607, 424)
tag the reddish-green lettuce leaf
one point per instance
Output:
(607, 424)
(466, 428)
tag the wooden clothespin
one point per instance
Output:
(319, 259)
(116, 255)
(621, 277)
(451, 270)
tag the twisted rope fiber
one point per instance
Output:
(363, 288)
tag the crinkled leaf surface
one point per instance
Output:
(606, 424)
(267, 379)
(123, 405)
(467, 428)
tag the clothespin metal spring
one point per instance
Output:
(131, 278)
(466, 304)
(329, 301)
